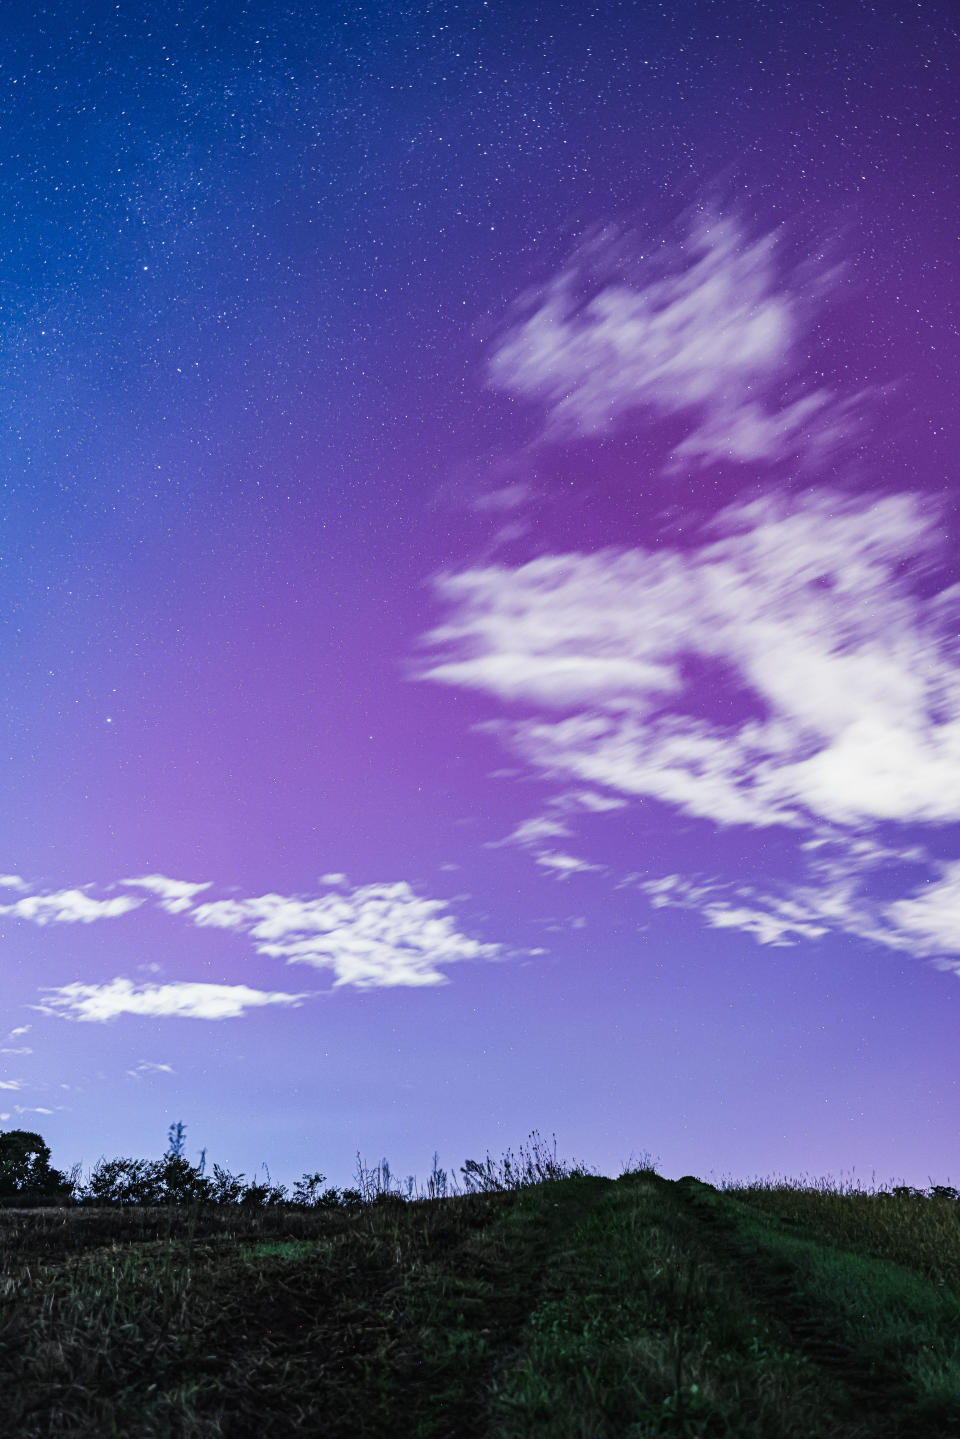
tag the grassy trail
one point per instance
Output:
(651, 1330)
(888, 1336)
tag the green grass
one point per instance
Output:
(552, 1304)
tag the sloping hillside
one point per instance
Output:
(582, 1308)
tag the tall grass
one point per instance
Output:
(902, 1225)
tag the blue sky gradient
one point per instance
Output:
(479, 592)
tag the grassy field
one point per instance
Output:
(564, 1307)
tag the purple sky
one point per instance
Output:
(480, 599)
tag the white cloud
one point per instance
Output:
(379, 935)
(590, 801)
(670, 889)
(783, 674)
(931, 919)
(831, 848)
(563, 865)
(147, 1066)
(504, 497)
(11, 1084)
(813, 425)
(906, 770)
(675, 761)
(183, 1000)
(767, 927)
(708, 327)
(12, 881)
(333, 879)
(530, 831)
(176, 895)
(530, 834)
(771, 919)
(69, 906)
(22, 1049)
(20, 1029)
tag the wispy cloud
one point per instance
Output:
(710, 326)
(12, 881)
(97, 1003)
(782, 674)
(836, 899)
(771, 920)
(535, 833)
(11, 1084)
(378, 935)
(69, 906)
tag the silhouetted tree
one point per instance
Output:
(25, 1169)
(308, 1191)
(176, 1139)
(183, 1182)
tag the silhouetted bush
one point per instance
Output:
(307, 1192)
(124, 1181)
(226, 1188)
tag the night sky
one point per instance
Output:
(480, 595)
